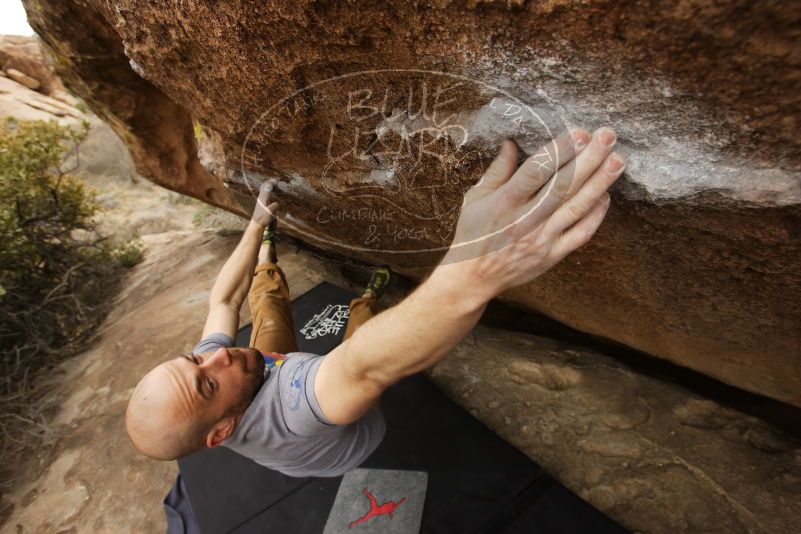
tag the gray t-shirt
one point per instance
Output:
(285, 429)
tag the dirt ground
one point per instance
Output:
(94, 481)
(652, 454)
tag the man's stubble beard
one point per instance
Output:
(253, 380)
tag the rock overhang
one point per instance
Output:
(697, 259)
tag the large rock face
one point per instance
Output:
(376, 116)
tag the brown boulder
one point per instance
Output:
(21, 103)
(23, 55)
(22, 78)
(64, 97)
(638, 443)
(376, 118)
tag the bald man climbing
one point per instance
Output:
(310, 415)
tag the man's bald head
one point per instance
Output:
(156, 422)
(191, 402)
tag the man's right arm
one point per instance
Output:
(233, 282)
(515, 224)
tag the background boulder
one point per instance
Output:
(28, 88)
(23, 55)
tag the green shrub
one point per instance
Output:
(56, 273)
(129, 254)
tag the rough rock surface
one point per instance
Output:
(656, 456)
(699, 259)
(649, 453)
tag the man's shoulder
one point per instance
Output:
(297, 364)
(294, 360)
(292, 377)
(279, 402)
(285, 382)
(297, 395)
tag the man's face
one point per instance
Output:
(192, 400)
(214, 385)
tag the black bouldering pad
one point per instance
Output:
(477, 483)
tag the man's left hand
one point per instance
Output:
(518, 222)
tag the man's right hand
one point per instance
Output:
(518, 222)
(264, 212)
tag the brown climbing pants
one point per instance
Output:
(273, 329)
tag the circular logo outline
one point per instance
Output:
(357, 248)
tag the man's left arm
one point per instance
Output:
(233, 283)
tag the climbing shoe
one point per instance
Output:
(269, 232)
(378, 282)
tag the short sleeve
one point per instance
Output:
(301, 410)
(213, 342)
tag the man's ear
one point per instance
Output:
(221, 431)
